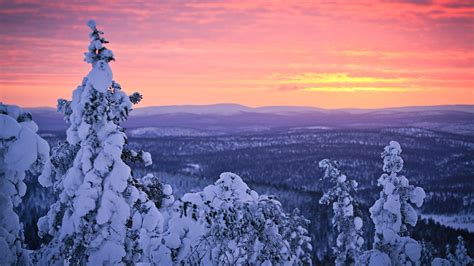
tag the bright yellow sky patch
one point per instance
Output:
(356, 89)
(340, 78)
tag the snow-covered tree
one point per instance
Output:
(427, 251)
(21, 150)
(101, 216)
(230, 224)
(258, 232)
(459, 258)
(440, 262)
(348, 225)
(393, 212)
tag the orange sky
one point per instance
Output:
(330, 54)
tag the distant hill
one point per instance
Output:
(234, 118)
(229, 108)
(220, 109)
(48, 119)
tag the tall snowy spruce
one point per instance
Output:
(21, 150)
(102, 215)
(392, 213)
(348, 225)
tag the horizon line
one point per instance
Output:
(266, 106)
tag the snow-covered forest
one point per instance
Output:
(106, 212)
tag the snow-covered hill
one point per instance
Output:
(232, 118)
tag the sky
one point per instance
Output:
(329, 54)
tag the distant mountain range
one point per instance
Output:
(230, 108)
(222, 109)
(234, 118)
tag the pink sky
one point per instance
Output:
(329, 54)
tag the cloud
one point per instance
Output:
(337, 78)
(342, 82)
(344, 89)
(178, 49)
(416, 2)
(357, 89)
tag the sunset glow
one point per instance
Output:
(336, 54)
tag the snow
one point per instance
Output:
(388, 210)
(83, 130)
(387, 186)
(102, 163)
(92, 24)
(341, 178)
(310, 127)
(412, 249)
(110, 253)
(440, 262)
(23, 152)
(43, 225)
(13, 111)
(376, 258)
(358, 223)
(349, 238)
(118, 177)
(107, 54)
(151, 218)
(86, 200)
(106, 207)
(393, 163)
(151, 132)
(10, 128)
(417, 196)
(348, 210)
(113, 145)
(71, 181)
(31, 125)
(457, 221)
(21, 149)
(4, 252)
(43, 147)
(146, 156)
(96, 45)
(167, 190)
(172, 241)
(392, 204)
(100, 77)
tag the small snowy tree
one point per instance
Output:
(21, 150)
(348, 225)
(230, 224)
(392, 213)
(459, 258)
(440, 262)
(101, 216)
(427, 251)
